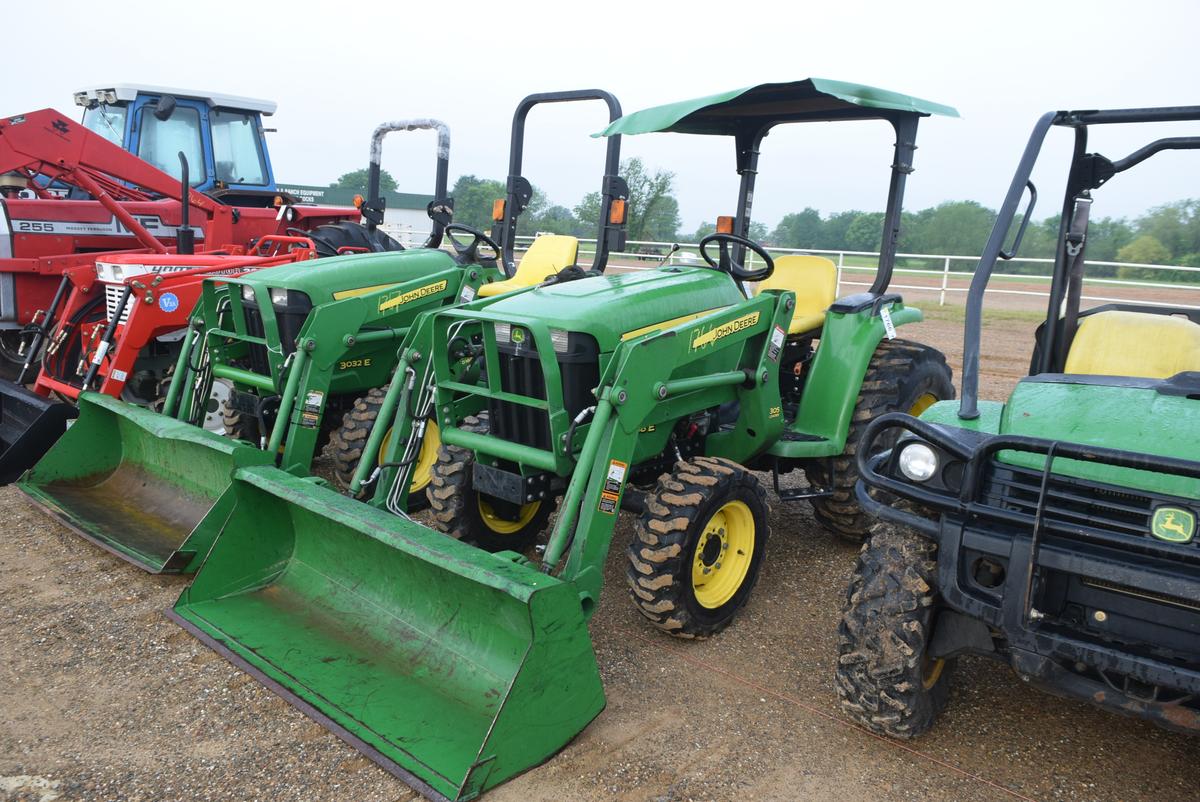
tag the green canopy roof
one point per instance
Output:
(753, 107)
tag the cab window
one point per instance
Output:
(108, 122)
(161, 141)
(237, 149)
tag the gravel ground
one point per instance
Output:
(103, 698)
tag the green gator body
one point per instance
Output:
(1115, 415)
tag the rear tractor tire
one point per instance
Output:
(885, 677)
(468, 515)
(698, 548)
(902, 376)
(350, 439)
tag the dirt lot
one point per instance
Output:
(103, 698)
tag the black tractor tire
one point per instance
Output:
(458, 510)
(902, 376)
(347, 444)
(241, 426)
(885, 678)
(672, 540)
(238, 425)
(10, 361)
(330, 238)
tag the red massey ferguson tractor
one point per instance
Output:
(69, 195)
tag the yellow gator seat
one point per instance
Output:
(813, 279)
(1140, 344)
(547, 255)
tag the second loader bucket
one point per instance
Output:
(29, 425)
(451, 667)
(144, 486)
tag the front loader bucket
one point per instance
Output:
(139, 483)
(452, 668)
(29, 425)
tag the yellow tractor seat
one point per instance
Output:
(547, 255)
(1140, 344)
(813, 279)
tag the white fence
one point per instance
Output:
(945, 282)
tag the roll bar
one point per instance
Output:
(1088, 171)
(441, 208)
(519, 192)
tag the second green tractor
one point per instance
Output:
(459, 656)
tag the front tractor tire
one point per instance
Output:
(698, 548)
(465, 514)
(350, 439)
(902, 376)
(886, 679)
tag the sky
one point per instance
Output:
(337, 70)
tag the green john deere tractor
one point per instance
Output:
(293, 350)
(1055, 531)
(457, 658)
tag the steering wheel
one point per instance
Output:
(725, 262)
(469, 254)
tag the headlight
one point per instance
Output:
(559, 338)
(247, 293)
(918, 462)
(117, 273)
(279, 297)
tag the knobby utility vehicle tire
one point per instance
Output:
(347, 444)
(457, 507)
(901, 376)
(671, 536)
(884, 676)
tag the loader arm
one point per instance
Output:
(46, 143)
(629, 396)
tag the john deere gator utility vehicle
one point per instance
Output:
(298, 348)
(1054, 531)
(449, 656)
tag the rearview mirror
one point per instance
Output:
(164, 108)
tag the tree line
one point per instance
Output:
(1165, 235)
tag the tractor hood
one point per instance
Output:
(623, 305)
(340, 277)
(1144, 416)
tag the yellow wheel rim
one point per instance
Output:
(422, 473)
(504, 526)
(924, 402)
(723, 555)
(933, 672)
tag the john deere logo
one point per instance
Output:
(1173, 524)
(392, 300)
(518, 336)
(702, 338)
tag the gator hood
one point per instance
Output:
(1145, 416)
(615, 306)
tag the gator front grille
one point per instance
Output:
(1073, 505)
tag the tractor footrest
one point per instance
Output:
(795, 493)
